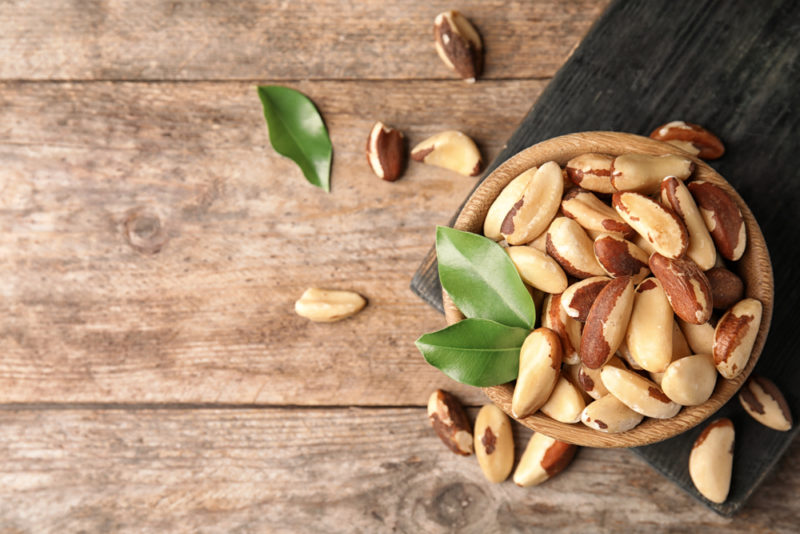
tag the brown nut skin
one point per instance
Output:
(619, 257)
(592, 172)
(458, 44)
(735, 336)
(677, 197)
(555, 318)
(578, 298)
(726, 287)
(569, 245)
(762, 399)
(450, 422)
(544, 458)
(686, 286)
(593, 214)
(656, 223)
(711, 460)
(723, 218)
(386, 154)
(607, 322)
(707, 145)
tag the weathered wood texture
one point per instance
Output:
(277, 39)
(337, 470)
(90, 169)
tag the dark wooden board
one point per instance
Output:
(733, 67)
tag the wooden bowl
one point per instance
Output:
(754, 268)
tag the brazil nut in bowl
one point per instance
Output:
(651, 286)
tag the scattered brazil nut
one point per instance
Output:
(531, 215)
(607, 322)
(638, 393)
(578, 298)
(649, 333)
(593, 214)
(643, 173)
(328, 305)
(706, 145)
(592, 172)
(656, 223)
(609, 414)
(458, 44)
(494, 443)
(538, 269)
(619, 257)
(504, 202)
(676, 195)
(451, 150)
(539, 369)
(686, 286)
(386, 154)
(711, 460)
(735, 335)
(544, 458)
(690, 381)
(723, 218)
(762, 399)
(565, 403)
(568, 243)
(450, 422)
(726, 287)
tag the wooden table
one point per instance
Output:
(153, 376)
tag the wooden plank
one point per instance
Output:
(278, 40)
(306, 470)
(91, 169)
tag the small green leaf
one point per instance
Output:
(296, 130)
(481, 279)
(475, 351)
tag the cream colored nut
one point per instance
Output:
(593, 214)
(540, 243)
(659, 225)
(538, 269)
(494, 443)
(620, 257)
(680, 349)
(450, 422)
(699, 336)
(609, 414)
(509, 196)
(711, 460)
(762, 399)
(589, 379)
(625, 355)
(697, 139)
(539, 369)
(642, 242)
(643, 173)
(690, 381)
(458, 44)
(386, 153)
(686, 286)
(592, 172)
(328, 305)
(607, 322)
(638, 393)
(531, 215)
(726, 287)
(554, 318)
(544, 458)
(452, 150)
(735, 336)
(723, 218)
(649, 334)
(578, 298)
(568, 243)
(565, 403)
(677, 197)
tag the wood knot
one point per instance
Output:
(144, 230)
(459, 504)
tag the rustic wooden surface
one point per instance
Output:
(152, 374)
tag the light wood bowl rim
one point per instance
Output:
(755, 260)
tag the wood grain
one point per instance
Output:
(307, 470)
(277, 39)
(152, 244)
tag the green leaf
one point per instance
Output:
(296, 130)
(481, 279)
(475, 351)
